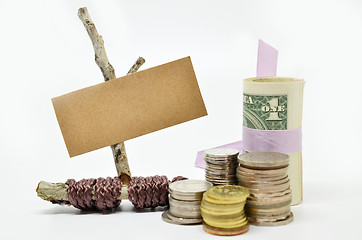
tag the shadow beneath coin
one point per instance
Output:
(145, 210)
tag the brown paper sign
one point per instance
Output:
(128, 107)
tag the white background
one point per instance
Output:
(45, 52)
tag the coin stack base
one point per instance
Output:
(265, 174)
(184, 202)
(222, 210)
(221, 164)
(169, 218)
(225, 231)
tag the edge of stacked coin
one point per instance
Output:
(184, 201)
(222, 210)
(221, 166)
(265, 174)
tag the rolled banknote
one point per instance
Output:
(272, 120)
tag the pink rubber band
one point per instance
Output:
(283, 141)
(254, 140)
(267, 60)
(200, 163)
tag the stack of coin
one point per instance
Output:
(184, 201)
(221, 164)
(222, 210)
(265, 174)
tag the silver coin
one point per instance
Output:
(273, 194)
(220, 168)
(288, 220)
(214, 182)
(268, 218)
(221, 156)
(223, 170)
(219, 152)
(249, 177)
(189, 186)
(252, 175)
(169, 218)
(271, 211)
(221, 159)
(187, 197)
(221, 173)
(267, 205)
(221, 181)
(256, 184)
(267, 188)
(263, 172)
(221, 176)
(217, 177)
(263, 159)
(178, 202)
(270, 199)
(181, 213)
(222, 163)
(218, 165)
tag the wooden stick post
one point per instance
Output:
(119, 150)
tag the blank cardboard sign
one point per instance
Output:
(128, 107)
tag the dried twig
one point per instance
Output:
(119, 151)
(57, 192)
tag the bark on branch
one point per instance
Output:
(119, 150)
(57, 192)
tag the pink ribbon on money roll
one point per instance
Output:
(283, 141)
(255, 140)
(200, 163)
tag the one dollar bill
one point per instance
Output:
(275, 103)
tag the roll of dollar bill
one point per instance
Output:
(272, 120)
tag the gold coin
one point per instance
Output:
(225, 212)
(224, 224)
(221, 207)
(228, 193)
(225, 232)
(226, 219)
(227, 216)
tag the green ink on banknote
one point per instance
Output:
(265, 112)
